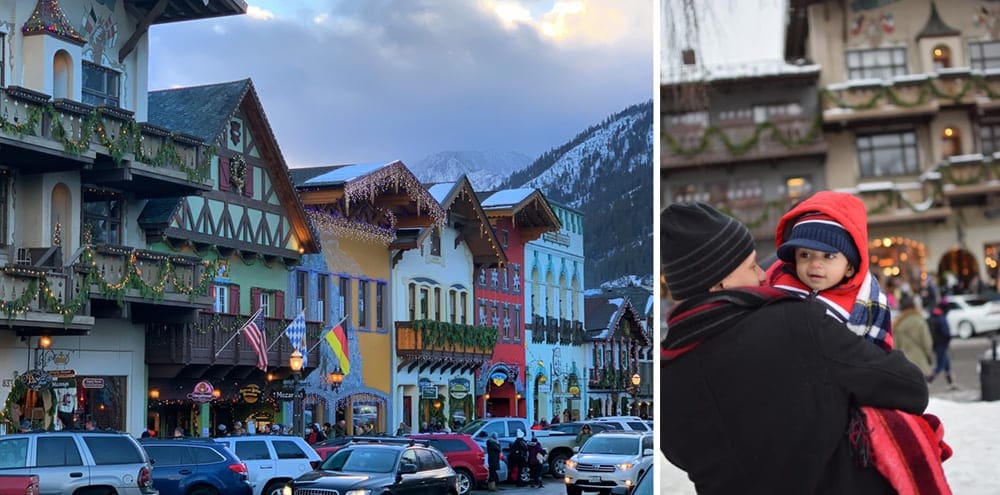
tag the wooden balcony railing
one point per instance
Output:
(687, 146)
(199, 343)
(430, 341)
(167, 163)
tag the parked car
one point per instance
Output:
(379, 469)
(272, 460)
(559, 445)
(195, 466)
(68, 461)
(609, 459)
(969, 315)
(464, 455)
(331, 445)
(18, 484)
(573, 428)
(634, 423)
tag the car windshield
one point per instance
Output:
(611, 445)
(472, 427)
(361, 460)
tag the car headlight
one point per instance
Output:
(358, 492)
(286, 490)
(570, 463)
(625, 466)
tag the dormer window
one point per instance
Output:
(101, 85)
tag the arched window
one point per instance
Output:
(62, 75)
(951, 142)
(941, 56)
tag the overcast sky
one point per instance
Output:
(351, 81)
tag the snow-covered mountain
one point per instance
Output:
(606, 172)
(485, 169)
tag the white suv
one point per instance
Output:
(272, 460)
(634, 423)
(609, 459)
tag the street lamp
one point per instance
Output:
(636, 380)
(335, 378)
(295, 362)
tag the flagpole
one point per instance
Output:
(276, 339)
(237, 333)
(331, 328)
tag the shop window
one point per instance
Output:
(879, 63)
(885, 155)
(951, 142)
(102, 215)
(984, 55)
(941, 57)
(101, 85)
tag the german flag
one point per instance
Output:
(337, 338)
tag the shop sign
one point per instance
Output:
(202, 392)
(458, 388)
(544, 389)
(287, 395)
(575, 391)
(36, 379)
(59, 374)
(429, 392)
(93, 382)
(250, 393)
(499, 377)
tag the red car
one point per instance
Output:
(463, 453)
(327, 447)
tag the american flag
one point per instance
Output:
(253, 330)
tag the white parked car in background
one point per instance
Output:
(610, 459)
(970, 314)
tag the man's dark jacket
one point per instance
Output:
(762, 407)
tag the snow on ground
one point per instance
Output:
(971, 428)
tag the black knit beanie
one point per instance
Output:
(700, 246)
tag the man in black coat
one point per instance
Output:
(759, 386)
(493, 460)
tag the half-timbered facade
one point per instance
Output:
(508, 382)
(619, 343)
(368, 216)
(440, 340)
(79, 161)
(253, 229)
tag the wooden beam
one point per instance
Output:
(141, 29)
(321, 197)
(414, 222)
(395, 199)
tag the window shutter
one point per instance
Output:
(211, 292)
(254, 299)
(279, 304)
(223, 173)
(234, 299)
(248, 182)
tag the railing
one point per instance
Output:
(28, 289)
(537, 329)
(205, 342)
(81, 129)
(124, 272)
(908, 94)
(552, 330)
(685, 146)
(423, 341)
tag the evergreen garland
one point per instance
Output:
(742, 147)
(455, 335)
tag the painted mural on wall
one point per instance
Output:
(99, 26)
(988, 17)
(872, 27)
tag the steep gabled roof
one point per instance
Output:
(528, 209)
(205, 111)
(604, 313)
(935, 27)
(485, 247)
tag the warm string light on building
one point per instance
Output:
(48, 18)
(342, 227)
(393, 177)
(887, 254)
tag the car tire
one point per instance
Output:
(557, 466)
(273, 488)
(966, 329)
(203, 490)
(525, 475)
(465, 481)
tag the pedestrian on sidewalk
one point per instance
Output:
(536, 458)
(937, 322)
(493, 460)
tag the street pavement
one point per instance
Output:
(552, 487)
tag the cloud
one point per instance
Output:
(385, 79)
(255, 12)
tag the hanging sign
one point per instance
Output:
(36, 379)
(250, 393)
(202, 392)
(93, 382)
(499, 377)
(458, 388)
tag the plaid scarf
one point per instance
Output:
(702, 317)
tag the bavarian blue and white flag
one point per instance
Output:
(296, 333)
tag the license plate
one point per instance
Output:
(594, 479)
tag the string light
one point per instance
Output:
(48, 18)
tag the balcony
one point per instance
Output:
(609, 379)
(198, 350)
(442, 345)
(685, 146)
(908, 96)
(39, 300)
(537, 329)
(41, 135)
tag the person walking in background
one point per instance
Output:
(493, 461)
(912, 335)
(739, 358)
(937, 323)
(536, 458)
(519, 458)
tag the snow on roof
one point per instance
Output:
(507, 197)
(440, 191)
(343, 174)
(618, 301)
(744, 70)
